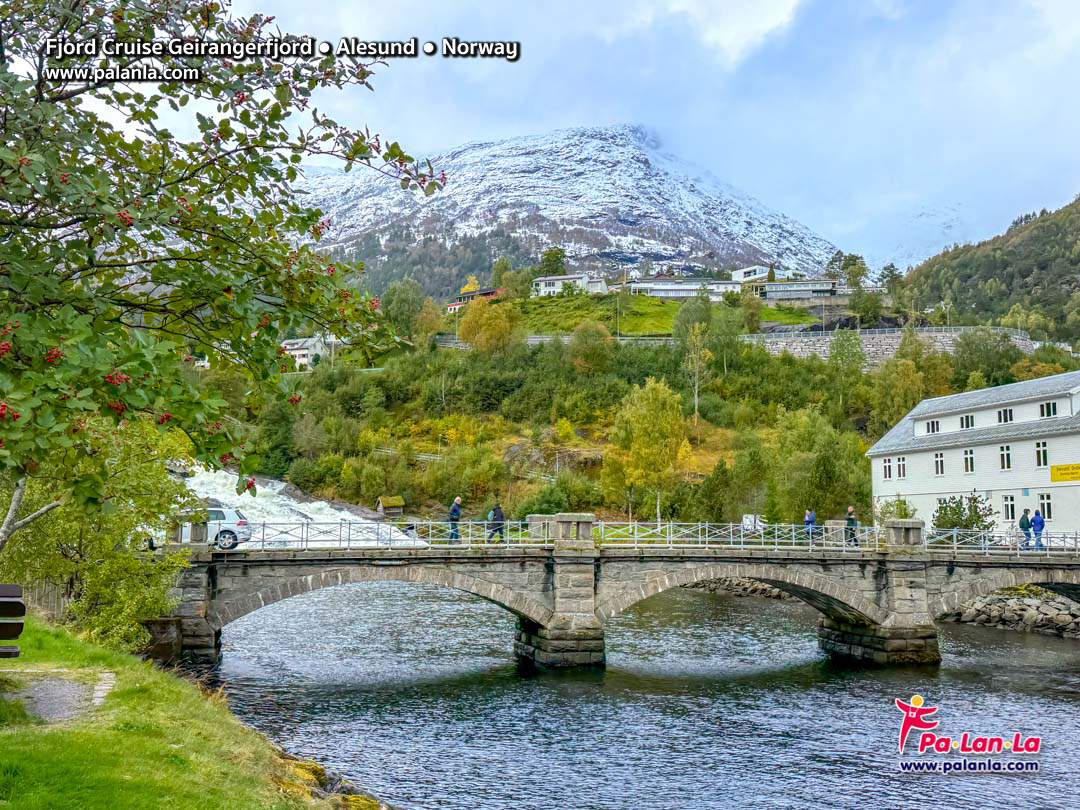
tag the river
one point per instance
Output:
(707, 701)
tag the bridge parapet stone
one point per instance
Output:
(904, 536)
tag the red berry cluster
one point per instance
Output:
(9, 327)
(295, 399)
(117, 406)
(125, 217)
(330, 270)
(7, 412)
(241, 97)
(183, 203)
(5, 347)
(374, 302)
(214, 428)
(344, 295)
(53, 354)
(225, 458)
(321, 227)
(264, 320)
(280, 351)
(165, 417)
(249, 485)
(24, 161)
(188, 358)
(117, 378)
(65, 178)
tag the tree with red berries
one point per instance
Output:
(125, 249)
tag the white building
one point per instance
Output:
(759, 272)
(553, 285)
(1018, 445)
(681, 287)
(304, 350)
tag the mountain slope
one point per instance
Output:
(1035, 264)
(608, 195)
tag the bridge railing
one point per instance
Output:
(736, 535)
(1011, 540)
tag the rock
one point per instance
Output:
(1062, 619)
(968, 615)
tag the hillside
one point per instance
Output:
(1031, 271)
(609, 195)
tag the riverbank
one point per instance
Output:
(84, 727)
(1027, 608)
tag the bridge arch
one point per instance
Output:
(223, 611)
(830, 597)
(1063, 581)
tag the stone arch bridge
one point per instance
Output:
(876, 604)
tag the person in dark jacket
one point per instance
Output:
(455, 516)
(496, 519)
(1025, 527)
(1037, 524)
(852, 523)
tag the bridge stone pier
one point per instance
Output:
(877, 604)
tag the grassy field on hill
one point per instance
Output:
(637, 315)
(155, 742)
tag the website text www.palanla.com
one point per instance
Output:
(968, 765)
(122, 73)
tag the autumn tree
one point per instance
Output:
(591, 347)
(898, 387)
(696, 310)
(648, 439)
(553, 262)
(123, 252)
(488, 326)
(696, 361)
(750, 308)
(429, 320)
(402, 302)
(472, 284)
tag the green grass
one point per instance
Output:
(638, 315)
(157, 742)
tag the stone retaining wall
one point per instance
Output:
(1035, 611)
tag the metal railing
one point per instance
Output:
(405, 533)
(736, 536)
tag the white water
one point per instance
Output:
(276, 517)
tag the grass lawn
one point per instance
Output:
(637, 314)
(787, 316)
(157, 742)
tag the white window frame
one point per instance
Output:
(1005, 416)
(1048, 410)
(886, 469)
(1046, 506)
(967, 421)
(969, 461)
(933, 426)
(901, 466)
(1005, 456)
(1042, 455)
(1008, 507)
(939, 463)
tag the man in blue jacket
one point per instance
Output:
(1037, 524)
(809, 519)
(455, 516)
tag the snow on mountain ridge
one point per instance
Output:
(606, 194)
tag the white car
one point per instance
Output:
(225, 528)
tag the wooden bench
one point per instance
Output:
(12, 611)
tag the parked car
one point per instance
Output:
(225, 528)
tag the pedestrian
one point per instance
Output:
(455, 516)
(1037, 524)
(808, 521)
(852, 522)
(495, 523)
(1025, 527)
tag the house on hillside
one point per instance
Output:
(1018, 445)
(390, 505)
(553, 285)
(678, 287)
(464, 298)
(760, 272)
(304, 350)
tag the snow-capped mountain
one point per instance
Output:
(916, 236)
(608, 195)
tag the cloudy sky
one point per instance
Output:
(850, 115)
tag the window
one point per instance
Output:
(969, 461)
(1046, 506)
(967, 421)
(933, 426)
(1006, 457)
(939, 463)
(1041, 454)
(215, 515)
(1008, 507)
(1047, 409)
(901, 467)
(1005, 416)
(886, 469)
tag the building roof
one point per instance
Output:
(1055, 385)
(902, 438)
(569, 277)
(391, 500)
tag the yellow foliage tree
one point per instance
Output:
(489, 327)
(472, 284)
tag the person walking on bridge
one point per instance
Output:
(852, 522)
(1025, 527)
(1037, 524)
(809, 519)
(455, 516)
(496, 519)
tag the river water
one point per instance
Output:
(707, 701)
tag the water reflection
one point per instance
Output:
(708, 701)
